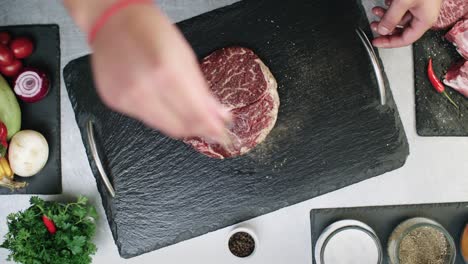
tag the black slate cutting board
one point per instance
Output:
(43, 116)
(331, 130)
(384, 219)
(435, 116)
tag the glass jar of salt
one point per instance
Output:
(348, 242)
(421, 241)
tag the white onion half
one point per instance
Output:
(28, 153)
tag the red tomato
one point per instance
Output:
(13, 69)
(22, 47)
(5, 38)
(6, 56)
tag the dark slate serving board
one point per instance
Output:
(385, 219)
(43, 116)
(331, 130)
(435, 116)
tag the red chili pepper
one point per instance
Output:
(49, 224)
(3, 139)
(437, 84)
(3, 135)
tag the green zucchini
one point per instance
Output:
(10, 112)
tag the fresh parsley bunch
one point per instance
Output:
(52, 233)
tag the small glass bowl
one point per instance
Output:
(341, 227)
(407, 227)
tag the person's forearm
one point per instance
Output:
(85, 12)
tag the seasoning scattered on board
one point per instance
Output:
(424, 245)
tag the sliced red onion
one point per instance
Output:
(31, 85)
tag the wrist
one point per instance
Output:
(86, 12)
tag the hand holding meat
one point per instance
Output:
(404, 22)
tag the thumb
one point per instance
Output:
(392, 17)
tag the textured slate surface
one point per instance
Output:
(453, 217)
(43, 116)
(331, 131)
(435, 116)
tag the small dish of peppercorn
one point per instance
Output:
(242, 242)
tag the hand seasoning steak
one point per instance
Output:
(245, 86)
(450, 12)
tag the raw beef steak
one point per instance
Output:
(457, 77)
(458, 35)
(245, 86)
(450, 12)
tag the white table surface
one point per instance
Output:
(436, 171)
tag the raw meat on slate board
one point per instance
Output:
(435, 116)
(458, 35)
(451, 11)
(457, 77)
(246, 87)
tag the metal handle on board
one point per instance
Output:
(375, 64)
(97, 159)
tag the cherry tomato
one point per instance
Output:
(5, 38)
(13, 69)
(6, 56)
(22, 47)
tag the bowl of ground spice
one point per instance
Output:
(421, 241)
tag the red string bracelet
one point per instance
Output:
(108, 13)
